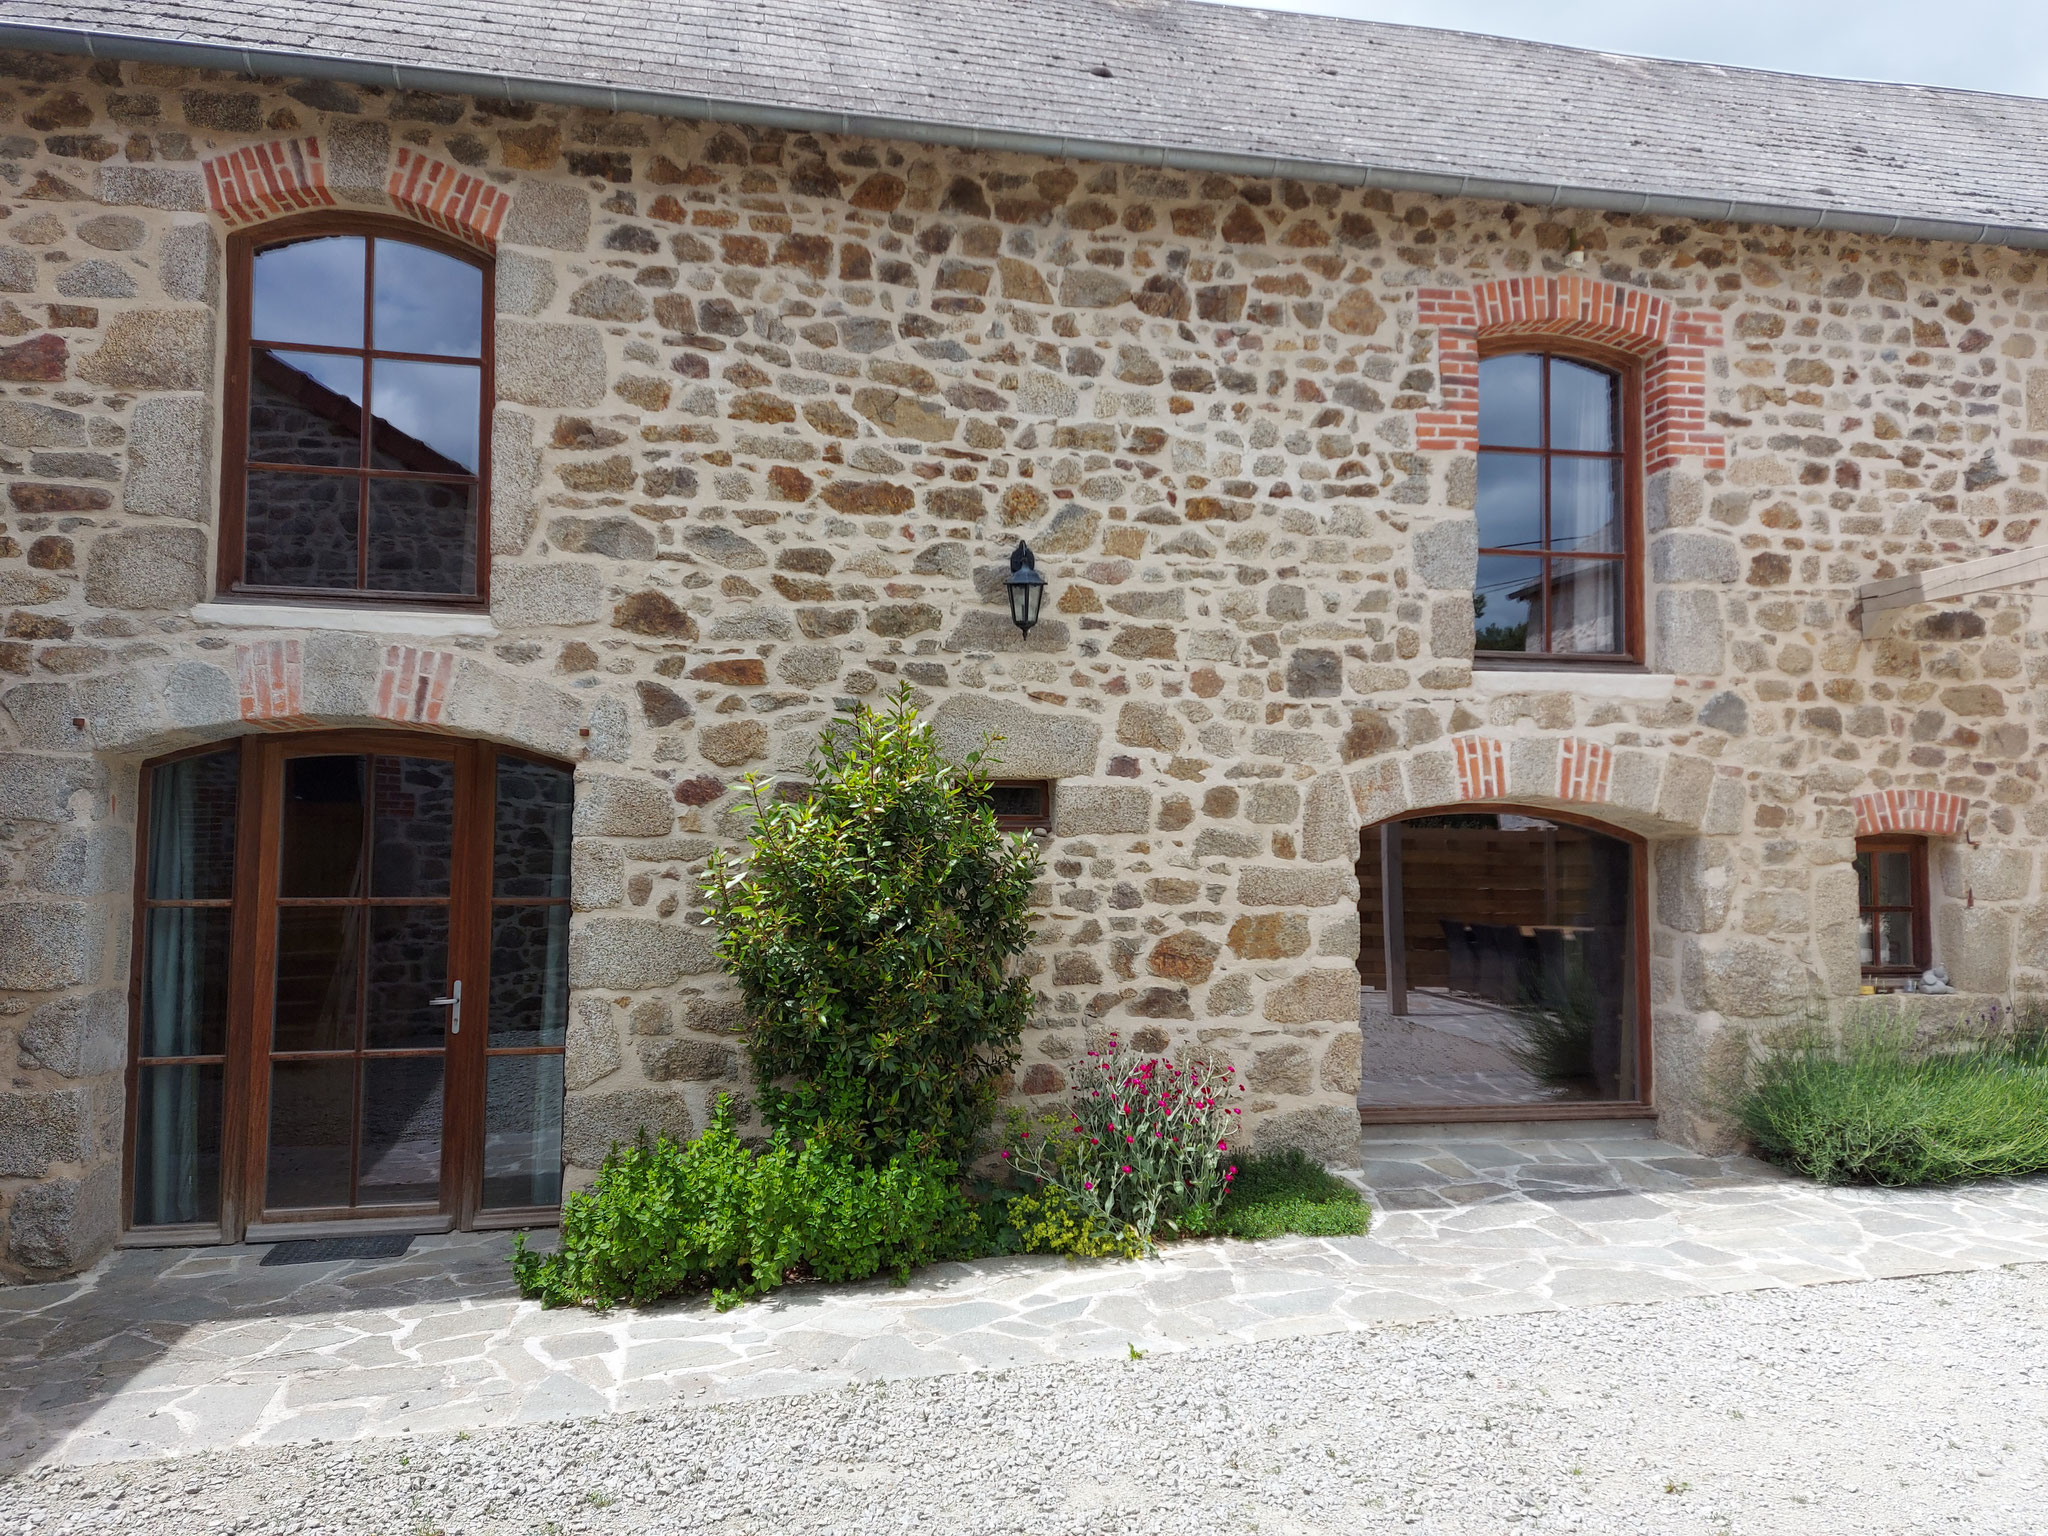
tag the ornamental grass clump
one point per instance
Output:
(1143, 1144)
(1883, 1102)
(873, 928)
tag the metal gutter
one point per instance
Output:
(576, 93)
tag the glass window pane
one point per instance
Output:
(1867, 934)
(1895, 938)
(1510, 501)
(426, 416)
(401, 1157)
(1585, 606)
(1894, 879)
(530, 845)
(312, 1112)
(310, 291)
(1585, 497)
(422, 537)
(319, 961)
(305, 408)
(523, 1131)
(427, 302)
(322, 851)
(1507, 604)
(185, 981)
(300, 531)
(1511, 401)
(1864, 897)
(529, 975)
(408, 968)
(192, 805)
(412, 831)
(1582, 406)
(177, 1145)
(1026, 799)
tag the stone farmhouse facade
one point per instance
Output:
(766, 408)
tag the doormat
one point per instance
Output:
(326, 1250)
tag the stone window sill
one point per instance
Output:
(1653, 686)
(425, 623)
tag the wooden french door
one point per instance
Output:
(351, 987)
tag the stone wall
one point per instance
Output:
(772, 410)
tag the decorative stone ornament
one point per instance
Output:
(1026, 586)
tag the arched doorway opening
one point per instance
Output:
(350, 987)
(1502, 968)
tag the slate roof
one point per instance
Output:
(1185, 83)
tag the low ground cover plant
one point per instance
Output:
(1889, 1100)
(1283, 1192)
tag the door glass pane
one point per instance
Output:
(523, 1131)
(1582, 400)
(300, 530)
(309, 291)
(1895, 938)
(408, 968)
(1508, 604)
(305, 408)
(312, 1115)
(1519, 964)
(427, 301)
(177, 1145)
(529, 975)
(1511, 401)
(192, 828)
(185, 974)
(1510, 501)
(1585, 606)
(423, 537)
(318, 968)
(1894, 879)
(413, 830)
(426, 416)
(1584, 496)
(322, 852)
(401, 1157)
(530, 842)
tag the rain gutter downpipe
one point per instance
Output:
(101, 44)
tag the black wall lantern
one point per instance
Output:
(1027, 588)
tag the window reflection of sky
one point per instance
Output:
(427, 302)
(434, 402)
(309, 291)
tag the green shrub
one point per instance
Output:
(712, 1214)
(1879, 1105)
(1050, 1220)
(1141, 1142)
(871, 930)
(1276, 1193)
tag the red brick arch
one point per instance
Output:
(1935, 812)
(1671, 342)
(267, 181)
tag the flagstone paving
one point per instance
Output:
(167, 1351)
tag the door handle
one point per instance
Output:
(452, 1002)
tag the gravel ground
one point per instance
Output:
(1881, 1407)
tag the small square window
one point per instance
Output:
(1021, 805)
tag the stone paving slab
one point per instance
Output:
(161, 1352)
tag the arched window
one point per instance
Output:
(1557, 561)
(356, 461)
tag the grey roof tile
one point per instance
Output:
(1207, 78)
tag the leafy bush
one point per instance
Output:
(1143, 1142)
(872, 930)
(712, 1214)
(1280, 1192)
(1052, 1221)
(1880, 1105)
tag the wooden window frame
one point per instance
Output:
(1921, 910)
(242, 250)
(1628, 371)
(246, 1089)
(1639, 951)
(1039, 823)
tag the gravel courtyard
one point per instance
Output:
(1871, 1407)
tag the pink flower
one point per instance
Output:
(1005, 1154)
(1087, 1184)
(1127, 1167)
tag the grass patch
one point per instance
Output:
(1882, 1105)
(1285, 1192)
